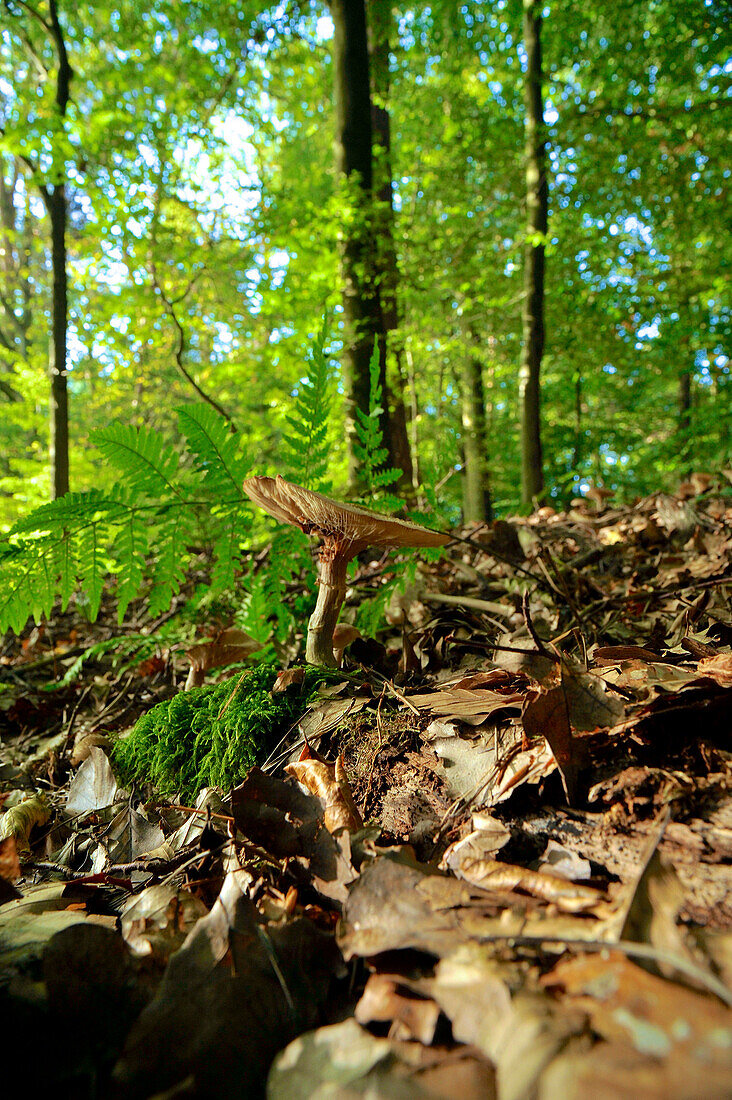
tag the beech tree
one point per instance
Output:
(206, 223)
(537, 202)
(50, 178)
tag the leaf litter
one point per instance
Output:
(492, 861)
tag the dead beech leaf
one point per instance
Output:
(468, 705)
(719, 668)
(611, 654)
(390, 999)
(18, 821)
(491, 874)
(653, 1015)
(156, 921)
(230, 998)
(10, 870)
(480, 844)
(591, 706)
(546, 714)
(323, 717)
(519, 1030)
(287, 678)
(617, 1071)
(93, 787)
(346, 1061)
(329, 783)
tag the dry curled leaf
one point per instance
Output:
(330, 784)
(18, 821)
(490, 874)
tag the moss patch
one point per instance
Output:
(211, 736)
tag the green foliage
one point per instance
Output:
(211, 736)
(217, 176)
(370, 449)
(306, 452)
(144, 531)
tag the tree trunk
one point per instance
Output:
(54, 196)
(380, 16)
(477, 506)
(532, 476)
(578, 427)
(59, 444)
(361, 301)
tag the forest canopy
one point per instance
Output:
(175, 227)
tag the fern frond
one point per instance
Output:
(70, 512)
(144, 456)
(92, 567)
(227, 548)
(253, 615)
(370, 449)
(305, 445)
(130, 547)
(217, 453)
(172, 536)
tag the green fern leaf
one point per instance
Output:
(227, 549)
(306, 448)
(131, 546)
(92, 567)
(169, 572)
(216, 451)
(63, 556)
(142, 455)
(253, 614)
(72, 511)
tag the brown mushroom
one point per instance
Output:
(226, 648)
(345, 530)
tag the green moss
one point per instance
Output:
(211, 736)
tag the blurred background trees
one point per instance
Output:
(207, 219)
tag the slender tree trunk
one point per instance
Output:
(577, 457)
(685, 403)
(477, 506)
(379, 26)
(413, 418)
(54, 197)
(532, 476)
(721, 401)
(59, 447)
(361, 300)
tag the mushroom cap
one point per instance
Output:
(351, 527)
(226, 648)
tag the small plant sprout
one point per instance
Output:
(345, 531)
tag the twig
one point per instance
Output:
(180, 347)
(526, 609)
(468, 601)
(500, 557)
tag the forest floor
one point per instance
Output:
(539, 903)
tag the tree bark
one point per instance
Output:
(578, 426)
(477, 505)
(59, 443)
(379, 26)
(361, 300)
(532, 476)
(54, 196)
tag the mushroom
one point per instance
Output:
(226, 648)
(345, 531)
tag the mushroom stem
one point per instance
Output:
(196, 677)
(331, 594)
